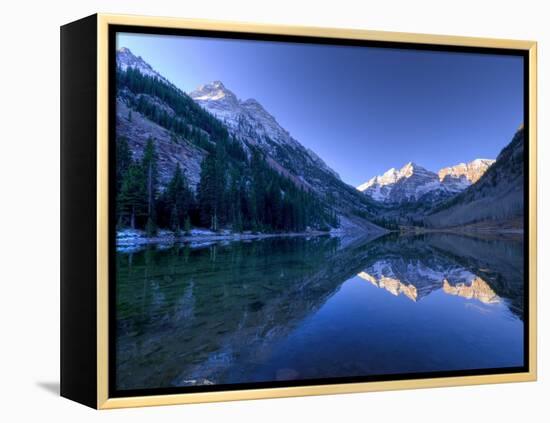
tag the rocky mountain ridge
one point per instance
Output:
(472, 171)
(413, 182)
(250, 122)
(126, 59)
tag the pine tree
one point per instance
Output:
(131, 201)
(123, 160)
(212, 189)
(235, 202)
(149, 165)
(179, 198)
(206, 192)
(187, 225)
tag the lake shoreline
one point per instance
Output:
(134, 238)
(131, 239)
(509, 234)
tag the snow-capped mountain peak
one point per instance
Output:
(249, 121)
(411, 168)
(411, 182)
(238, 114)
(251, 102)
(397, 185)
(214, 91)
(218, 84)
(472, 170)
(389, 177)
(408, 169)
(126, 59)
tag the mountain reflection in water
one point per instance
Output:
(297, 308)
(415, 280)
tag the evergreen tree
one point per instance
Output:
(149, 165)
(131, 202)
(208, 193)
(187, 225)
(234, 200)
(123, 160)
(179, 197)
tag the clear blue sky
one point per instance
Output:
(363, 110)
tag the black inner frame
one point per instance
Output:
(114, 29)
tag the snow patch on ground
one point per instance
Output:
(132, 240)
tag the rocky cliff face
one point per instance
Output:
(496, 196)
(171, 150)
(470, 171)
(126, 59)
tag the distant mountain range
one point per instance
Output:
(414, 183)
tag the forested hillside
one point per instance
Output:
(498, 196)
(232, 189)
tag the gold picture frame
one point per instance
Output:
(103, 21)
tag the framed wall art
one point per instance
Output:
(254, 211)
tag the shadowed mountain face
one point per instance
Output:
(251, 311)
(497, 195)
(137, 129)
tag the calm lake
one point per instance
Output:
(297, 308)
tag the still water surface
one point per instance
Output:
(297, 308)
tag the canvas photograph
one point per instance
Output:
(290, 213)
